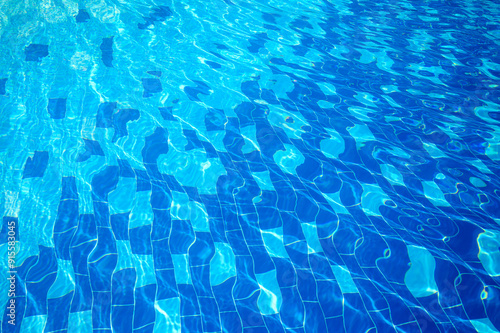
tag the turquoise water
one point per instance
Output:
(250, 166)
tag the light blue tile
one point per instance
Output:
(273, 241)
(270, 299)
(420, 277)
(344, 279)
(222, 265)
(168, 317)
(64, 282)
(181, 268)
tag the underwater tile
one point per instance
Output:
(35, 52)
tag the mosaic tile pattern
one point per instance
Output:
(251, 166)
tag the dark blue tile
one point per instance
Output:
(231, 322)
(69, 190)
(35, 52)
(2, 86)
(140, 240)
(356, 319)
(122, 317)
(82, 300)
(91, 148)
(249, 311)
(9, 232)
(35, 166)
(209, 314)
(143, 180)
(193, 92)
(166, 285)
(120, 120)
(292, 308)
(200, 276)
(162, 222)
(82, 16)
(330, 298)
(39, 280)
(119, 225)
(104, 118)
(151, 86)
(104, 182)
(58, 313)
(155, 145)
(273, 323)
(181, 238)
(314, 319)
(101, 310)
(107, 51)
(167, 113)
(223, 295)
(246, 284)
(144, 305)
(123, 284)
(192, 324)
(189, 300)
(57, 108)
(158, 14)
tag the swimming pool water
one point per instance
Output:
(250, 166)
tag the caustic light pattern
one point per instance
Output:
(251, 166)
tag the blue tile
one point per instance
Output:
(209, 314)
(3, 81)
(39, 280)
(200, 276)
(167, 113)
(140, 240)
(120, 120)
(162, 222)
(9, 225)
(122, 317)
(91, 148)
(192, 324)
(57, 108)
(35, 166)
(249, 311)
(123, 284)
(151, 86)
(354, 163)
(189, 301)
(314, 319)
(59, 321)
(144, 306)
(274, 324)
(119, 225)
(125, 169)
(181, 238)
(223, 294)
(101, 310)
(107, 51)
(35, 52)
(292, 310)
(143, 180)
(166, 285)
(158, 14)
(82, 16)
(105, 182)
(231, 322)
